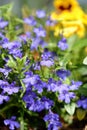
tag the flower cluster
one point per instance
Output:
(32, 79)
(53, 121)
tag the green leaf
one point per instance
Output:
(83, 91)
(80, 44)
(22, 61)
(11, 63)
(65, 59)
(85, 61)
(80, 114)
(70, 108)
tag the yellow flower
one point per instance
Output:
(69, 28)
(68, 10)
(71, 17)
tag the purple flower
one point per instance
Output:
(13, 48)
(3, 39)
(3, 98)
(3, 23)
(47, 59)
(50, 22)
(47, 55)
(47, 63)
(36, 104)
(39, 86)
(10, 88)
(53, 121)
(16, 53)
(82, 103)
(11, 45)
(2, 83)
(75, 85)
(30, 21)
(29, 98)
(63, 74)
(47, 103)
(36, 66)
(12, 123)
(41, 104)
(25, 37)
(36, 42)
(5, 71)
(62, 44)
(66, 96)
(40, 32)
(40, 13)
(53, 85)
(31, 79)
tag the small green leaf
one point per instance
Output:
(11, 63)
(80, 114)
(70, 108)
(85, 61)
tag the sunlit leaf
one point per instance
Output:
(70, 108)
(85, 61)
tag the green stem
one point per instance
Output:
(21, 124)
(24, 88)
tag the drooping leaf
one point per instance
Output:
(70, 108)
(80, 114)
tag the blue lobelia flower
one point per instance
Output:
(30, 78)
(9, 88)
(12, 123)
(3, 39)
(35, 103)
(47, 63)
(50, 22)
(40, 32)
(47, 102)
(36, 42)
(40, 104)
(3, 98)
(40, 13)
(3, 23)
(25, 37)
(65, 94)
(75, 85)
(39, 86)
(13, 48)
(30, 21)
(52, 85)
(53, 121)
(82, 102)
(47, 59)
(5, 71)
(62, 44)
(36, 66)
(63, 74)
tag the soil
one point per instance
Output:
(77, 125)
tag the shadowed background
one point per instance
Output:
(35, 4)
